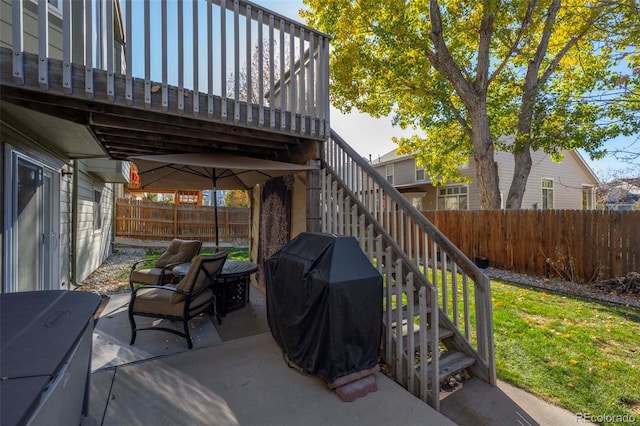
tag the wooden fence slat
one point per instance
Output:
(147, 220)
(586, 244)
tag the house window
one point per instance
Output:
(588, 198)
(453, 197)
(419, 173)
(547, 194)
(55, 7)
(389, 173)
(97, 210)
(417, 203)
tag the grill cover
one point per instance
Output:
(324, 304)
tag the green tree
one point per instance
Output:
(236, 198)
(479, 76)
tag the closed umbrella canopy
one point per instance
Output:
(208, 171)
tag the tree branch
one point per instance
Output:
(460, 118)
(531, 5)
(441, 58)
(484, 43)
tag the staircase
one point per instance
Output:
(437, 303)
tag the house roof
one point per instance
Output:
(389, 157)
(581, 161)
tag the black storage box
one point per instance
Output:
(324, 305)
(45, 356)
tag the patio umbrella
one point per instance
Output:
(208, 171)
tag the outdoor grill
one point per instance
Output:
(324, 306)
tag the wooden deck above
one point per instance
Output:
(125, 128)
(150, 78)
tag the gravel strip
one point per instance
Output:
(112, 278)
(589, 291)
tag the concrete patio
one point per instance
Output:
(236, 375)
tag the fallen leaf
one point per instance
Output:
(570, 385)
(573, 362)
(605, 364)
(499, 303)
(566, 336)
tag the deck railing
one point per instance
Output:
(223, 60)
(424, 272)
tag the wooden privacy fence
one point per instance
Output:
(149, 220)
(574, 244)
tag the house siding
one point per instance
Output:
(568, 178)
(30, 31)
(92, 246)
(66, 213)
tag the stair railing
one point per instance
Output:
(417, 262)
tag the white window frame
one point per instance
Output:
(590, 191)
(55, 9)
(451, 191)
(544, 190)
(420, 169)
(389, 175)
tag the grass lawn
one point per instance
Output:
(582, 355)
(234, 253)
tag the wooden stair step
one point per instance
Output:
(405, 314)
(451, 362)
(443, 333)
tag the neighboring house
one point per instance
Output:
(58, 193)
(566, 185)
(621, 194)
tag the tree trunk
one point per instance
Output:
(488, 180)
(522, 159)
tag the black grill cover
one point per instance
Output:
(324, 304)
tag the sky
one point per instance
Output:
(372, 137)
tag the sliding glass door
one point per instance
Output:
(31, 260)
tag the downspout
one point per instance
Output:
(74, 224)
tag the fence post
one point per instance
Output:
(226, 218)
(175, 221)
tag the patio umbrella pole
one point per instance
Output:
(215, 208)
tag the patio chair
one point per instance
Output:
(193, 295)
(157, 271)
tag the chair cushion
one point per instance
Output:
(196, 278)
(157, 301)
(179, 251)
(151, 276)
